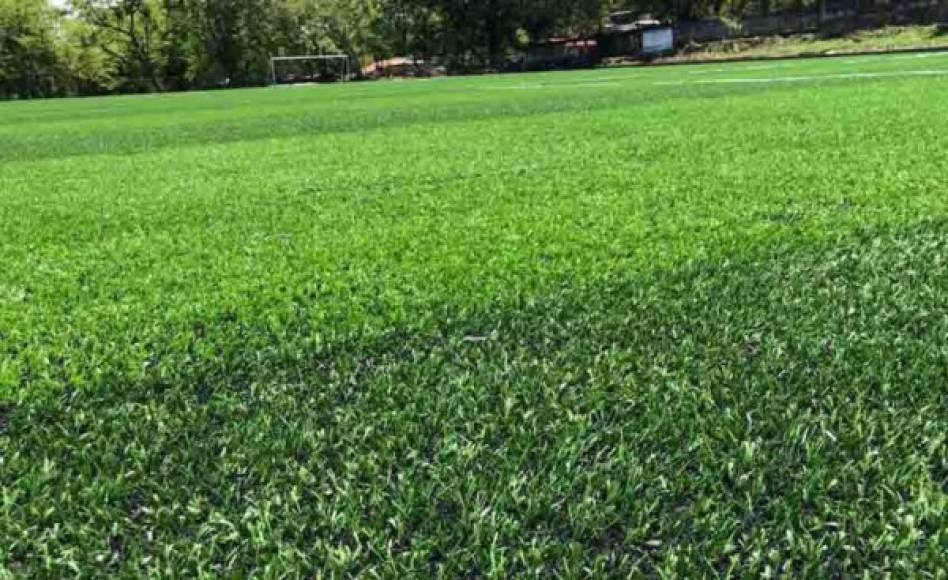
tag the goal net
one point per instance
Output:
(322, 68)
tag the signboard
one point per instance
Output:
(657, 40)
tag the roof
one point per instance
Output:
(570, 42)
(634, 26)
(381, 65)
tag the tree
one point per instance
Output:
(406, 27)
(29, 63)
(87, 67)
(131, 33)
(177, 49)
(153, 45)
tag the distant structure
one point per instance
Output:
(562, 52)
(623, 34)
(626, 34)
(401, 67)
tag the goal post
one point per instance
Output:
(342, 59)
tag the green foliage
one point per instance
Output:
(888, 38)
(29, 66)
(131, 32)
(70, 47)
(671, 322)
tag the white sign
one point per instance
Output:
(657, 40)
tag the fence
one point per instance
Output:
(831, 22)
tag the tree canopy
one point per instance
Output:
(64, 47)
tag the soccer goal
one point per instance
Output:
(310, 68)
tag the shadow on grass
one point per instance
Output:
(667, 422)
(177, 132)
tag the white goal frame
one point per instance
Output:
(327, 57)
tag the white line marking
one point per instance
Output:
(526, 87)
(798, 79)
(509, 88)
(590, 85)
(919, 55)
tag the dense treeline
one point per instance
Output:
(62, 47)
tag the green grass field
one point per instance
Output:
(678, 322)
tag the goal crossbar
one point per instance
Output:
(276, 59)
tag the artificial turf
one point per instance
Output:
(677, 321)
